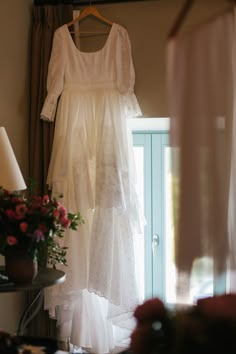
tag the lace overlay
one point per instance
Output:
(92, 165)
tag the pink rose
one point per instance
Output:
(45, 199)
(11, 240)
(24, 226)
(10, 214)
(56, 213)
(62, 211)
(65, 222)
(21, 210)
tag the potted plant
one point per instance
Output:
(31, 231)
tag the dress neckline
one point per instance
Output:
(90, 53)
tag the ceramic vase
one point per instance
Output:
(20, 266)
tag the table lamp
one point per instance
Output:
(10, 174)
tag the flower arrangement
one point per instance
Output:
(208, 327)
(35, 224)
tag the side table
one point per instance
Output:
(46, 277)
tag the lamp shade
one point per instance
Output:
(10, 174)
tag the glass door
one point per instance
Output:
(158, 182)
(149, 149)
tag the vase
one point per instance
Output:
(20, 266)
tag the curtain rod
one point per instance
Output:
(82, 2)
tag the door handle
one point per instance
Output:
(155, 243)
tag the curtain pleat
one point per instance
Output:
(45, 21)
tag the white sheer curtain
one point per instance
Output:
(232, 195)
(200, 84)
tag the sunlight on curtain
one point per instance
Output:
(201, 278)
(199, 64)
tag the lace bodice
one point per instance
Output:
(109, 67)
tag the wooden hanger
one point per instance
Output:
(90, 11)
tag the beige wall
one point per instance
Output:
(15, 19)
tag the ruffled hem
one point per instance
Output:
(77, 317)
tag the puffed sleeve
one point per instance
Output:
(55, 78)
(125, 73)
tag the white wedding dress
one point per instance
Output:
(92, 165)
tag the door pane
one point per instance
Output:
(139, 242)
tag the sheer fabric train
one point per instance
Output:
(92, 165)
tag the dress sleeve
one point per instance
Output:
(55, 79)
(124, 62)
(126, 74)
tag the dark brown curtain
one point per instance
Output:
(46, 18)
